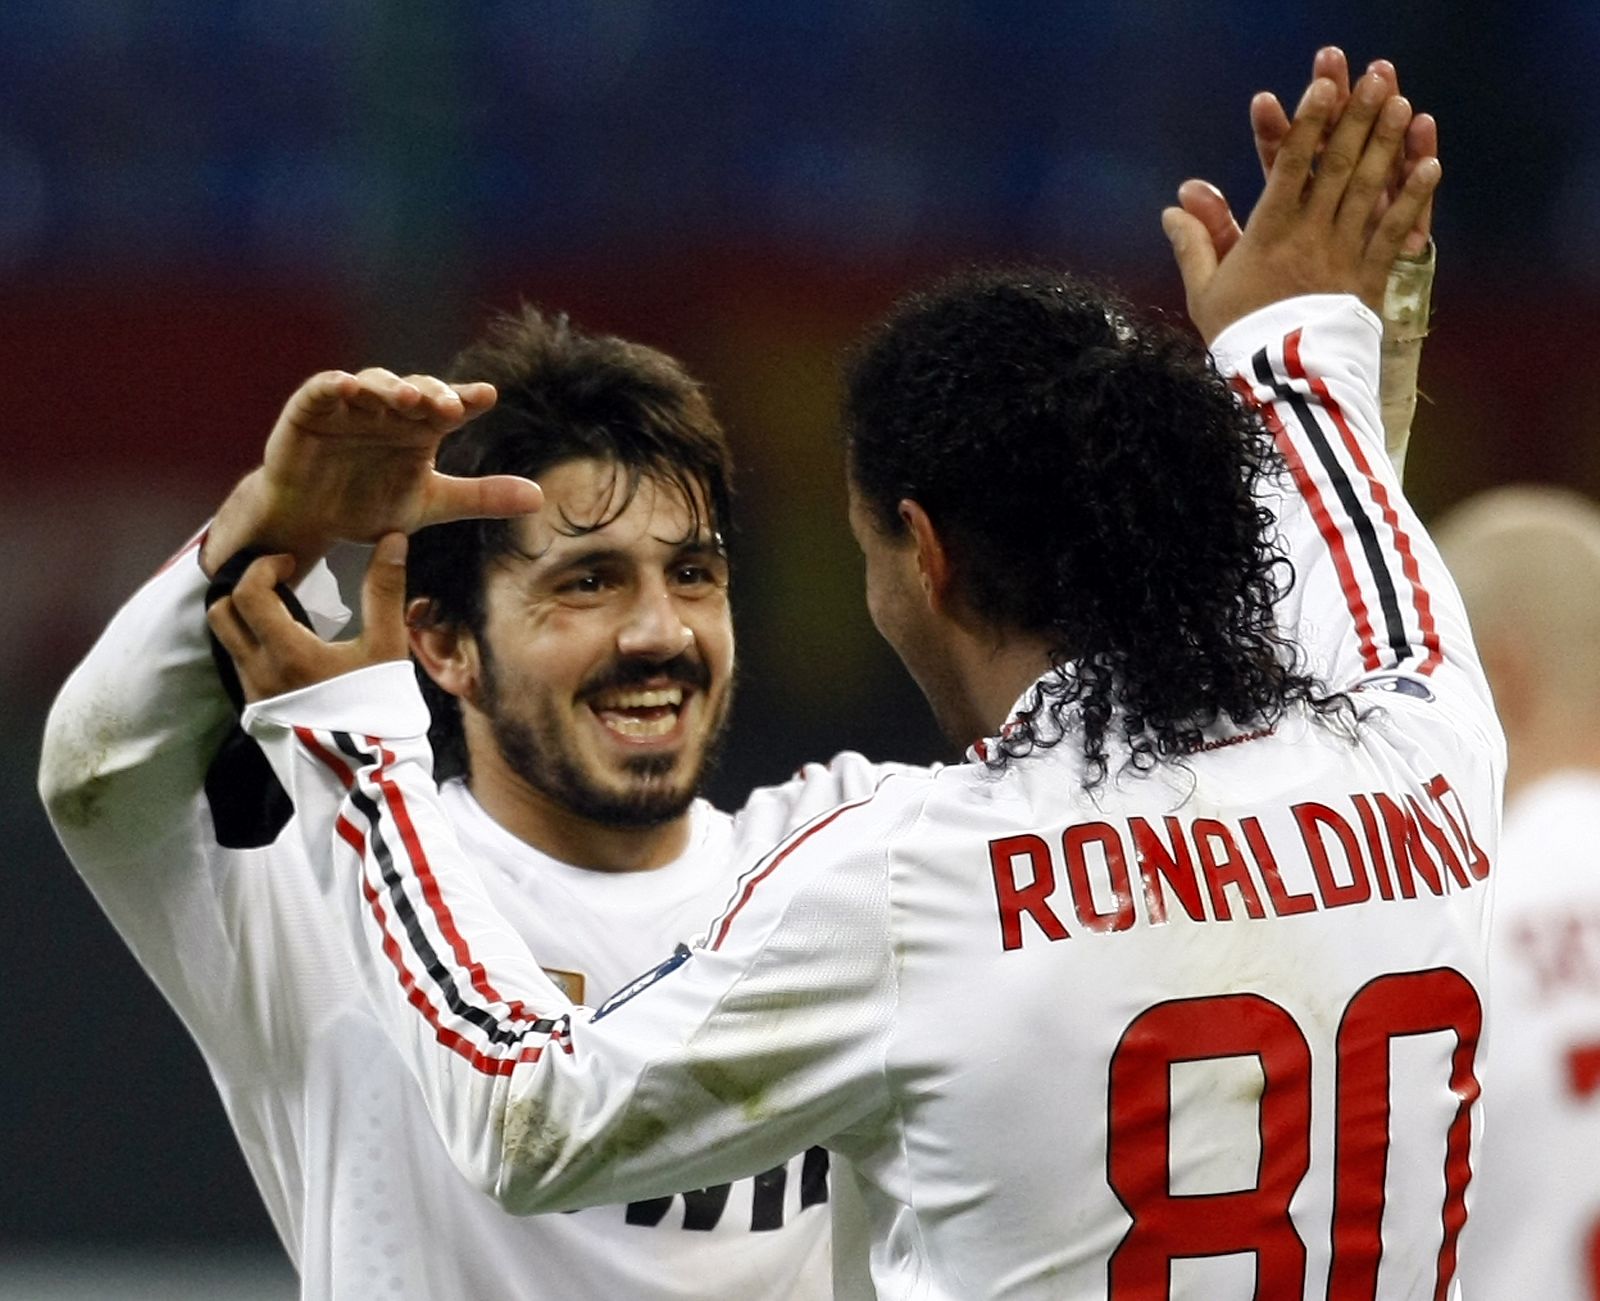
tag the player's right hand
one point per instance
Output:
(1324, 223)
(351, 457)
(273, 654)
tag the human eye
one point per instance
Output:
(694, 576)
(588, 583)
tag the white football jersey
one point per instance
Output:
(1211, 1031)
(334, 1129)
(1536, 1226)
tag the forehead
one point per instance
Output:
(589, 502)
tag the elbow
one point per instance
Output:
(67, 785)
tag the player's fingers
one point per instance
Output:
(383, 390)
(1422, 141)
(1346, 146)
(1386, 70)
(257, 603)
(476, 396)
(1292, 167)
(230, 629)
(1191, 247)
(441, 405)
(1397, 223)
(383, 600)
(1269, 124)
(1366, 195)
(494, 496)
(1204, 201)
(324, 391)
(1330, 62)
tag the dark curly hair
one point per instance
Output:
(564, 395)
(1093, 478)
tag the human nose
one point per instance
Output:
(654, 628)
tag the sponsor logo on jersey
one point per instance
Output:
(680, 955)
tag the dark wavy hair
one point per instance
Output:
(564, 395)
(1093, 478)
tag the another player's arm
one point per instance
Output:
(1370, 595)
(725, 1061)
(1408, 290)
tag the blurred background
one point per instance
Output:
(202, 203)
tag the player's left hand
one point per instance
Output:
(1324, 223)
(274, 654)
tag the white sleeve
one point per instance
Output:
(1371, 597)
(127, 748)
(726, 1059)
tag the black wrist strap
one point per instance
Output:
(249, 807)
(222, 584)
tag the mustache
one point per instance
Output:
(683, 670)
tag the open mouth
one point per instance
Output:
(639, 713)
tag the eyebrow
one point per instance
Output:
(706, 544)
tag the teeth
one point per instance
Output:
(656, 698)
(625, 725)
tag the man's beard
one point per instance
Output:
(533, 748)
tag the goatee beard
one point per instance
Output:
(533, 749)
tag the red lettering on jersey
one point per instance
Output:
(1073, 844)
(1223, 865)
(1407, 848)
(1285, 903)
(1441, 843)
(1369, 829)
(1477, 860)
(1014, 899)
(1412, 1003)
(1311, 817)
(1175, 866)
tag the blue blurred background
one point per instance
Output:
(202, 203)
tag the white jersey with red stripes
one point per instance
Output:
(1210, 1031)
(1537, 1224)
(332, 1126)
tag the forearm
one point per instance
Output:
(1406, 301)
(132, 731)
(1370, 595)
(677, 1084)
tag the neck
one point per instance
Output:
(991, 670)
(554, 829)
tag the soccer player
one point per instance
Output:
(579, 692)
(1528, 563)
(1172, 988)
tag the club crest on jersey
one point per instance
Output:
(680, 955)
(569, 983)
(1403, 686)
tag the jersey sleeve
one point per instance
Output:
(1370, 598)
(127, 748)
(766, 1038)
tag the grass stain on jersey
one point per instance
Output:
(534, 1150)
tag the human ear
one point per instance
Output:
(448, 652)
(933, 560)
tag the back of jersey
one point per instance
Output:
(1213, 1034)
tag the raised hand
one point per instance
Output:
(274, 654)
(351, 457)
(1325, 222)
(1269, 126)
